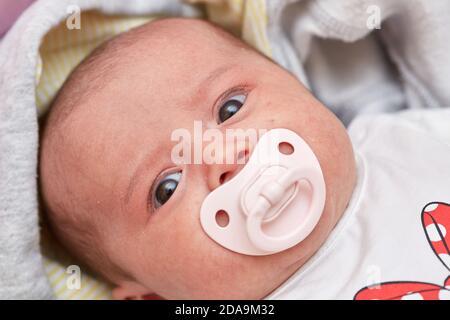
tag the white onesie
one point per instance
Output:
(394, 236)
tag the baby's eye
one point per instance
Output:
(230, 107)
(164, 188)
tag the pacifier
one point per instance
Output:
(273, 203)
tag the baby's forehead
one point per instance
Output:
(161, 56)
(168, 41)
(181, 46)
(153, 68)
(152, 78)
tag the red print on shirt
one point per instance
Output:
(436, 224)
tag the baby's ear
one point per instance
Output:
(131, 290)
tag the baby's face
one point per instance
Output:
(147, 206)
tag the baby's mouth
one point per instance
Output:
(270, 198)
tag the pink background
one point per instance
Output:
(10, 10)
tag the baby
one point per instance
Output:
(117, 201)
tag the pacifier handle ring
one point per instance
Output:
(256, 215)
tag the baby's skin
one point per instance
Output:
(106, 153)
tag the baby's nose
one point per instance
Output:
(219, 173)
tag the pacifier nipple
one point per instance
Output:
(273, 203)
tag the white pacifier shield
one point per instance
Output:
(273, 203)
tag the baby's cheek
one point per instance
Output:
(184, 234)
(190, 244)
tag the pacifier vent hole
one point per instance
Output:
(222, 218)
(285, 148)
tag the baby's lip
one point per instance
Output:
(241, 159)
(152, 296)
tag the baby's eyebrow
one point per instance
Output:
(213, 76)
(143, 166)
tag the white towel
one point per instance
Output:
(354, 68)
